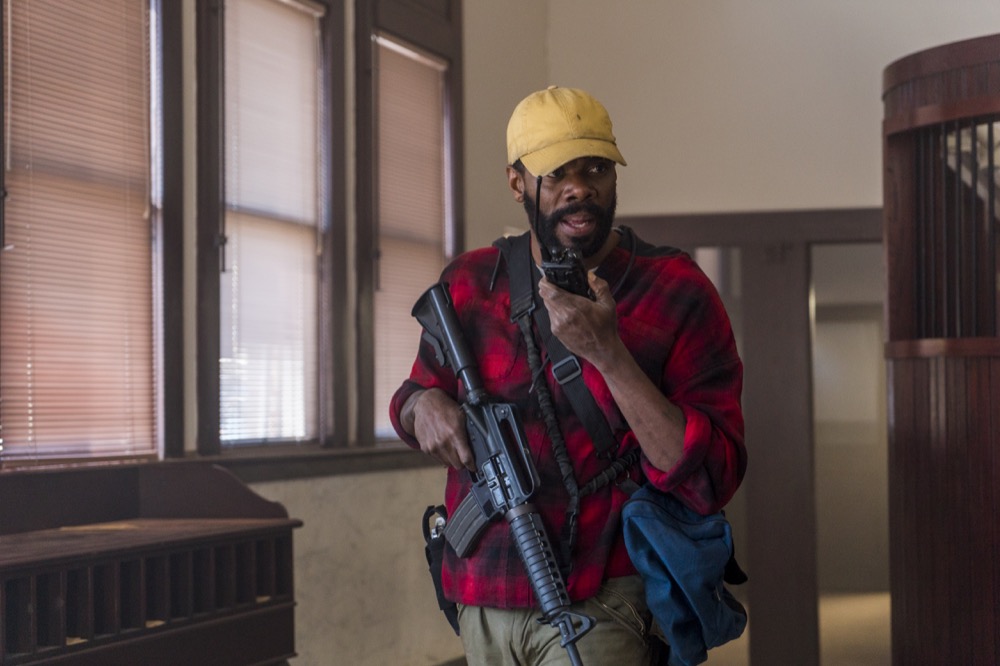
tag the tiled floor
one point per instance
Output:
(854, 631)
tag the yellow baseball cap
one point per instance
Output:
(557, 125)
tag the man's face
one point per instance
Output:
(578, 203)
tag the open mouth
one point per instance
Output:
(578, 225)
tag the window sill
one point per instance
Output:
(261, 463)
(280, 463)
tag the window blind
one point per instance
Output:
(412, 214)
(77, 334)
(269, 290)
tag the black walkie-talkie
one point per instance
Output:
(565, 269)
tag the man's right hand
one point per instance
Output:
(438, 423)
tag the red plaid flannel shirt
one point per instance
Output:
(671, 318)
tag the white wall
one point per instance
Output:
(726, 105)
(505, 59)
(363, 592)
(719, 105)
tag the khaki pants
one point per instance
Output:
(494, 637)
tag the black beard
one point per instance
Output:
(587, 247)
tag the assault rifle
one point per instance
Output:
(505, 476)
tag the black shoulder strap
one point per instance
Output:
(565, 366)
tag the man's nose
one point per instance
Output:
(578, 187)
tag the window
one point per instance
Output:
(304, 326)
(266, 266)
(413, 219)
(269, 298)
(409, 212)
(92, 312)
(80, 277)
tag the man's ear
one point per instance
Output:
(516, 182)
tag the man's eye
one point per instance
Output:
(599, 168)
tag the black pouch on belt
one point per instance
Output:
(435, 518)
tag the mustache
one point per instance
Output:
(588, 207)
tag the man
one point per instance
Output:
(657, 354)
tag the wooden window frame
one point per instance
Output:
(435, 27)
(210, 211)
(350, 446)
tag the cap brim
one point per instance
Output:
(545, 161)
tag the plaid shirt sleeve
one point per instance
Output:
(701, 373)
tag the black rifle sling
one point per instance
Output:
(565, 366)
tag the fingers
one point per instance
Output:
(553, 294)
(439, 427)
(586, 328)
(465, 457)
(568, 310)
(453, 452)
(600, 287)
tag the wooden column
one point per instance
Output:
(941, 129)
(780, 488)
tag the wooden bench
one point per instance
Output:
(152, 564)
